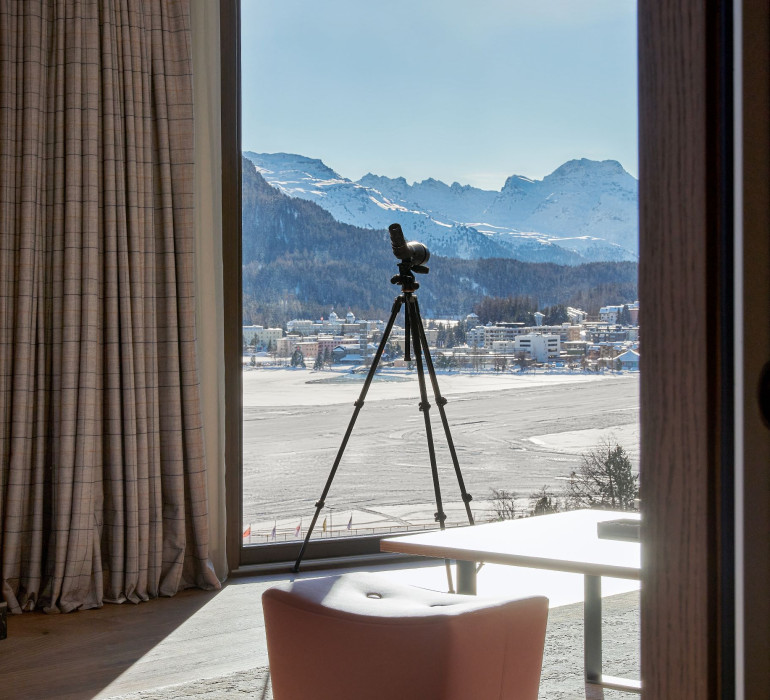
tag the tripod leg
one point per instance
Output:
(407, 337)
(440, 515)
(358, 406)
(425, 408)
(441, 402)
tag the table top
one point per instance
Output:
(559, 541)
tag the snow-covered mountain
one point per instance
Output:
(580, 198)
(584, 211)
(461, 203)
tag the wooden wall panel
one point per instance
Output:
(679, 348)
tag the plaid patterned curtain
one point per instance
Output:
(102, 479)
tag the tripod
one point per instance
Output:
(415, 335)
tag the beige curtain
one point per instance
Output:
(103, 479)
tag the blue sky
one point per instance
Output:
(452, 89)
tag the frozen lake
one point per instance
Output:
(512, 432)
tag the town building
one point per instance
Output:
(286, 346)
(476, 336)
(629, 360)
(540, 347)
(260, 337)
(303, 326)
(607, 333)
(576, 316)
(487, 336)
(612, 314)
(308, 348)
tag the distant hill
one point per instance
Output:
(298, 261)
(585, 211)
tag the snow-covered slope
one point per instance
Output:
(584, 211)
(458, 202)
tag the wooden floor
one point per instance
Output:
(120, 649)
(124, 648)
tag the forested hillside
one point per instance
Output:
(298, 262)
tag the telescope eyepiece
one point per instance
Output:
(412, 252)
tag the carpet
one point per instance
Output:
(253, 684)
(562, 674)
(561, 678)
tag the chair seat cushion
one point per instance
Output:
(362, 636)
(375, 596)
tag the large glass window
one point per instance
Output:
(503, 138)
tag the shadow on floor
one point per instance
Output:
(75, 656)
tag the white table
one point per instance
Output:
(559, 542)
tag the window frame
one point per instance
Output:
(705, 254)
(689, 398)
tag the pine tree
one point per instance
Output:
(297, 359)
(624, 317)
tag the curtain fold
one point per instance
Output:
(103, 480)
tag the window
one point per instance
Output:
(321, 321)
(682, 125)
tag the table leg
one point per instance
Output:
(466, 577)
(595, 680)
(592, 628)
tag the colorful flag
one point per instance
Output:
(272, 534)
(324, 526)
(247, 531)
(350, 522)
(298, 529)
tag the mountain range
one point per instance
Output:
(300, 262)
(584, 211)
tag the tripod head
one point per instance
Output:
(405, 278)
(412, 255)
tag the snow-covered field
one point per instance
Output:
(517, 432)
(268, 386)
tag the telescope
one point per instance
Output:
(413, 253)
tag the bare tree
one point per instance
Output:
(543, 502)
(503, 504)
(605, 479)
(522, 360)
